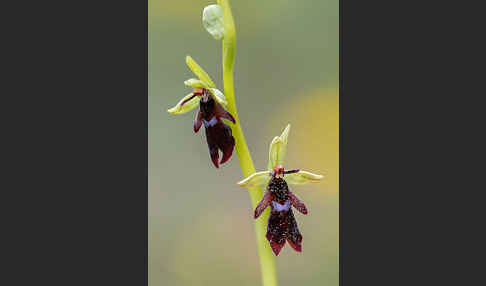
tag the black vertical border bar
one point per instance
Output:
(408, 127)
(368, 181)
(387, 109)
(75, 193)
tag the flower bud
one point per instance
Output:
(213, 21)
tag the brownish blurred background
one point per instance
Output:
(200, 223)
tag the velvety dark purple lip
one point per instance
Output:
(218, 134)
(282, 226)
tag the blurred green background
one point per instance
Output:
(200, 223)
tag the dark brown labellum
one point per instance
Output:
(218, 133)
(282, 225)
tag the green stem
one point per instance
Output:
(267, 259)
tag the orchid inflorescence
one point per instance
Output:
(213, 108)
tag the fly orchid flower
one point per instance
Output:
(282, 226)
(211, 103)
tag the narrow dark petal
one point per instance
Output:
(226, 115)
(185, 101)
(197, 121)
(297, 203)
(263, 204)
(291, 171)
(220, 112)
(293, 236)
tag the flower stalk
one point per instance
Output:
(267, 259)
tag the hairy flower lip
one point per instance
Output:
(282, 226)
(218, 134)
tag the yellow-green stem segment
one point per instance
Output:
(267, 258)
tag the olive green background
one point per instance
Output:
(200, 223)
